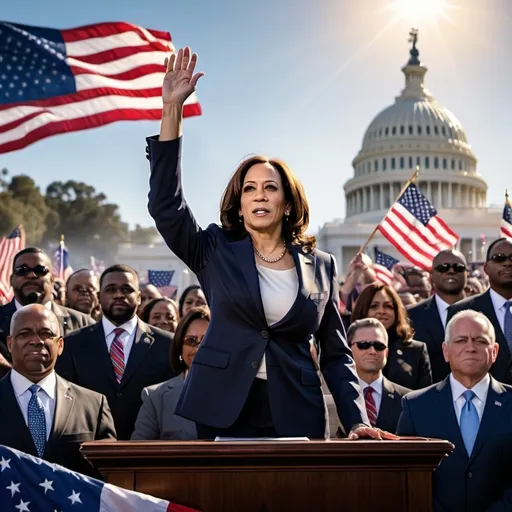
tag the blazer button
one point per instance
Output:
(470, 475)
(265, 335)
(119, 394)
(255, 364)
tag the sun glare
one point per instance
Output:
(417, 12)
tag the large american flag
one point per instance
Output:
(162, 279)
(382, 266)
(54, 81)
(506, 221)
(9, 247)
(30, 484)
(414, 228)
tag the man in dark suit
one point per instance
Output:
(383, 399)
(42, 414)
(121, 355)
(471, 410)
(496, 304)
(449, 276)
(32, 282)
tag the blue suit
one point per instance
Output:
(482, 482)
(227, 361)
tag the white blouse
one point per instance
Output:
(279, 290)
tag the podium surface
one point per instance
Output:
(313, 476)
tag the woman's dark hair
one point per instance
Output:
(146, 311)
(294, 226)
(183, 296)
(201, 313)
(401, 328)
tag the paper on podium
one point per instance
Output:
(256, 439)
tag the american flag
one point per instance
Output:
(30, 484)
(506, 221)
(60, 262)
(414, 228)
(55, 81)
(382, 266)
(162, 279)
(9, 247)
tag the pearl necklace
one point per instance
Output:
(275, 260)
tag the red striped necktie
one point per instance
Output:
(117, 354)
(371, 408)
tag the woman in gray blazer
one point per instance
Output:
(156, 419)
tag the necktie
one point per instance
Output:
(117, 354)
(371, 408)
(469, 421)
(36, 420)
(508, 324)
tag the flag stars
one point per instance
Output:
(14, 488)
(75, 498)
(47, 485)
(23, 506)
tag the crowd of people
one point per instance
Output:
(266, 340)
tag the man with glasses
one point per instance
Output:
(82, 293)
(496, 304)
(32, 282)
(449, 276)
(42, 414)
(368, 340)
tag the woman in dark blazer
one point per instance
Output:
(408, 362)
(268, 289)
(156, 418)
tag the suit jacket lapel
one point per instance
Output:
(450, 423)
(488, 309)
(95, 354)
(497, 401)
(144, 339)
(62, 316)
(64, 405)
(306, 266)
(433, 320)
(387, 403)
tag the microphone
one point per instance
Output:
(33, 297)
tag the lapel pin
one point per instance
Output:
(497, 403)
(399, 352)
(148, 339)
(390, 395)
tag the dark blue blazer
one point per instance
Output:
(482, 482)
(227, 361)
(502, 367)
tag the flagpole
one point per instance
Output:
(404, 188)
(61, 269)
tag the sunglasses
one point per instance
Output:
(366, 345)
(38, 270)
(445, 267)
(500, 258)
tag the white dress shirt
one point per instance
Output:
(47, 395)
(500, 309)
(376, 385)
(442, 308)
(481, 389)
(47, 305)
(127, 337)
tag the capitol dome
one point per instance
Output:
(415, 131)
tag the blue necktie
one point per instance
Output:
(37, 420)
(508, 324)
(469, 421)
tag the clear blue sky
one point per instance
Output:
(298, 79)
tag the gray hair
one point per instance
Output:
(39, 308)
(469, 313)
(363, 323)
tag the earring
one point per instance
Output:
(181, 358)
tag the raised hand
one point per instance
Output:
(180, 80)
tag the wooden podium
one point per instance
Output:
(312, 476)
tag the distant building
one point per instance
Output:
(415, 130)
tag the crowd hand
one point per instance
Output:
(364, 432)
(180, 80)
(359, 263)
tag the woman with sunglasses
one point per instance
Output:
(408, 362)
(156, 419)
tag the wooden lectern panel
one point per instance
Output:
(313, 476)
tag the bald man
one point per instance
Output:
(449, 277)
(43, 414)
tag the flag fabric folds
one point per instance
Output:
(60, 262)
(9, 247)
(162, 279)
(30, 484)
(413, 226)
(382, 266)
(506, 221)
(56, 81)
